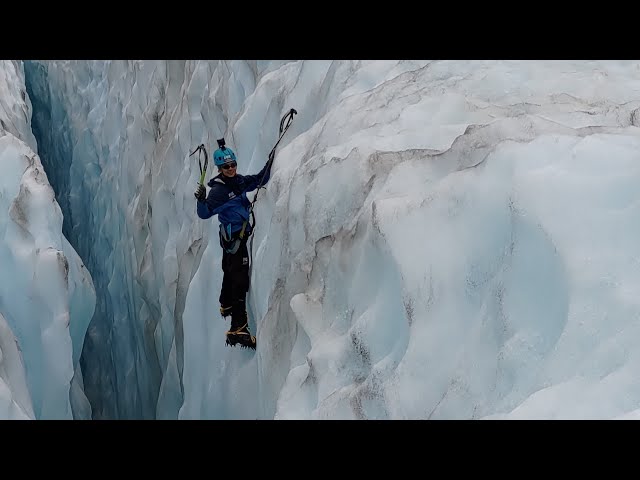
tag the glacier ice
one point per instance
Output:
(439, 239)
(46, 294)
(15, 398)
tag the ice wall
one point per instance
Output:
(46, 294)
(440, 239)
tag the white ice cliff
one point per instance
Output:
(46, 294)
(439, 239)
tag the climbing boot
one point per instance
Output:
(242, 337)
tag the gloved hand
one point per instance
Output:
(201, 193)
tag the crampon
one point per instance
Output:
(241, 337)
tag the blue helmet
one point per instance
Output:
(223, 155)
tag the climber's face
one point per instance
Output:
(229, 169)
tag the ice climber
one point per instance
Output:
(227, 198)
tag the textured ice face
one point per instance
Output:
(46, 293)
(438, 240)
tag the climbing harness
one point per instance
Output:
(203, 171)
(227, 242)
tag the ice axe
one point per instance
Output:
(203, 171)
(288, 117)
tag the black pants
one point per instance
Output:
(235, 284)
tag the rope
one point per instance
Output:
(283, 129)
(288, 117)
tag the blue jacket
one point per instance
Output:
(228, 198)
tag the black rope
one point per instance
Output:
(288, 117)
(283, 129)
